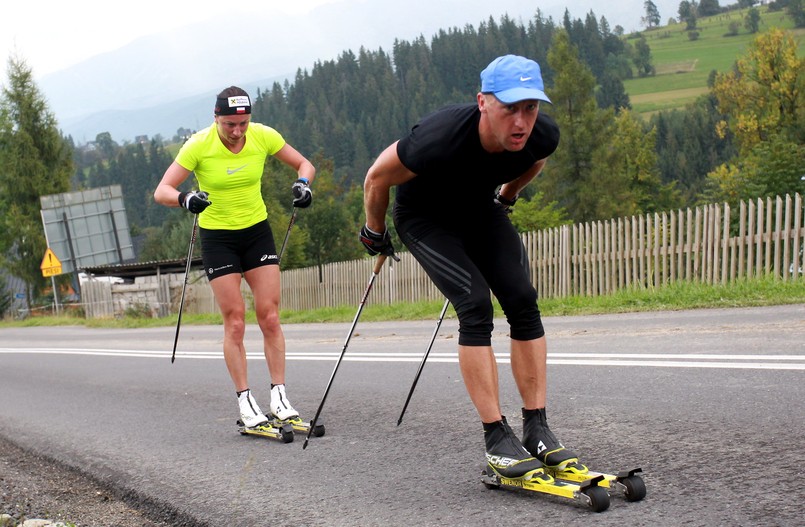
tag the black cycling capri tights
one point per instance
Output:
(466, 262)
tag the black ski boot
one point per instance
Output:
(540, 441)
(505, 454)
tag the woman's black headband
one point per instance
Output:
(234, 105)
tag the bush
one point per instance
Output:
(732, 29)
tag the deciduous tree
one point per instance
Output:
(709, 7)
(764, 98)
(765, 94)
(535, 214)
(642, 58)
(631, 183)
(752, 20)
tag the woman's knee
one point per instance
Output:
(269, 321)
(234, 325)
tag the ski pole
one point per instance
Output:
(287, 234)
(378, 265)
(184, 286)
(422, 364)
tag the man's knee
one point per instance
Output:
(523, 315)
(526, 324)
(527, 330)
(475, 319)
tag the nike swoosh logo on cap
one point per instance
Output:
(523, 79)
(231, 171)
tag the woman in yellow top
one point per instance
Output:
(228, 159)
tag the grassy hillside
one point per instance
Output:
(683, 65)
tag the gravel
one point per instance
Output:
(33, 486)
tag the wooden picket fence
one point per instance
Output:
(709, 244)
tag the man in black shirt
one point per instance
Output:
(447, 171)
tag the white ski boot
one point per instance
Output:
(280, 406)
(250, 413)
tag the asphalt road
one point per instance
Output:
(708, 403)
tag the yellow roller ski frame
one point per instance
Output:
(299, 426)
(588, 493)
(282, 433)
(626, 484)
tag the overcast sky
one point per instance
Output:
(54, 36)
(58, 35)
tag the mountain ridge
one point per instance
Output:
(166, 81)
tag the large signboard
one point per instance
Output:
(87, 228)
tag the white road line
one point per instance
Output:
(402, 355)
(654, 360)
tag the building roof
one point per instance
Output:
(153, 268)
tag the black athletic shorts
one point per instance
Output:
(468, 258)
(226, 251)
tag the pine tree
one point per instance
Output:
(569, 177)
(652, 18)
(37, 160)
(687, 149)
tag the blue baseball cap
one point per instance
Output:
(512, 78)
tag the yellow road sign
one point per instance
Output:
(51, 266)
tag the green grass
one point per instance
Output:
(683, 65)
(684, 295)
(677, 296)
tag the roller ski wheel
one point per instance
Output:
(299, 426)
(626, 484)
(588, 493)
(597, 498)
(634, 488)
(282, 433)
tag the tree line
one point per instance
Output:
(343, 112)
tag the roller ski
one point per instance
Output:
(283, 414)
(267, 429)
(297, 425)
(510, 465)
(562, 464)
(589, 493)
(253, 422)
(626, 484)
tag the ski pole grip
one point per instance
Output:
(381, 259)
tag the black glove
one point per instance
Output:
(505, 202)
(195, 201)
(375, 242)
(302, 195)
